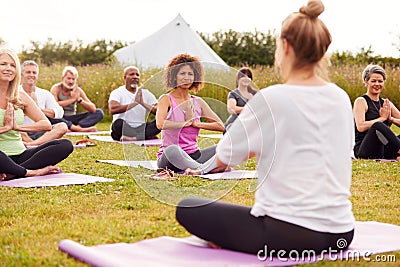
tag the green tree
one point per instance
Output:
(73, 53)
(246, 48)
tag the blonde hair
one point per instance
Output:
(12, 90)
(307, 34)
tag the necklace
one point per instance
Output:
(379, 103)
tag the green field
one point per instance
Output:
(33, 221)
(133, 208)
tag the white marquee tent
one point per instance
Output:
(174, 38)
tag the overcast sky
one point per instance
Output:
(353, 24)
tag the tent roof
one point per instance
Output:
(156, 50)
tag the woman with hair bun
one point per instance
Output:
(373, 116)
(301, 133)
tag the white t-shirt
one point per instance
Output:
(136, 115)
(45, 100)
(302, 137)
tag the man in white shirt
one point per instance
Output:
(128, 104)
(46, 102)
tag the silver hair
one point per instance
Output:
(29, 63)
(370, 69)
(70, 69)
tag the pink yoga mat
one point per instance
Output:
(370, 237)
(54, 180)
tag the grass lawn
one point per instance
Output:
(133, 208)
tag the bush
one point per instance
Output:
(99, 80)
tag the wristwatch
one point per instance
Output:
(80, 100)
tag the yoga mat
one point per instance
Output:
(107, 138)
(234, 174)
(369, 237)
(148, 164)
(214, 136)
(87, 133)
(75, 146)
(54, 180)
(152, 165)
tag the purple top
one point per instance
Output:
(185, 137)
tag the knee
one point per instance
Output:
(60, 129)
(117, 124)
(181, 207)
(100, 114)
(172, 149)
(378, 125)
(66, 146)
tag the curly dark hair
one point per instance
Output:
(176, 63)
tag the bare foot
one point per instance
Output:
(189, 171)
(213, 245)
(43, 171)
(3, 176)
(77, 128)
(127, 138)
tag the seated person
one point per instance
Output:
(17, 160)
(240, 96)
(46, 102)
(301, 133)
(373, 116)
(68, 94)
(178, 116)
(128, 104)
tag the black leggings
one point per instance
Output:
(49, 153)
(233, 227)
(379, 143)
(145, 131)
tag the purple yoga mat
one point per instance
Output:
(370, 237)
(54, 180)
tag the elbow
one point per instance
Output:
(159, 125)
(47, 125)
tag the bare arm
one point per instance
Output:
(55, 90)
(395, 114)
(86, 103)
(41, 123)
(48, 112)
(359, 109)
(232, 106)
(164, 104)
(214, 123)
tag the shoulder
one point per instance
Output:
(164, 97)
(233, 93)
(55, 87)
(360, 101)
(118, 90)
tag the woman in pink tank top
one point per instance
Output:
(178, 118)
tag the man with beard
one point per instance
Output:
(129, 104)
(68, 95)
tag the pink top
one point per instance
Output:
(185, 137)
